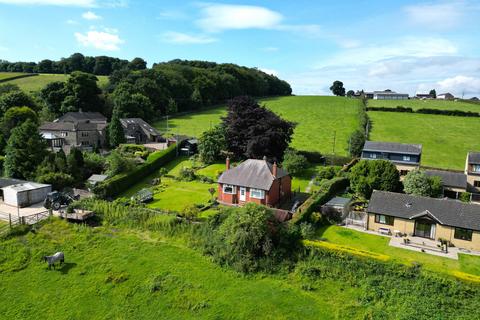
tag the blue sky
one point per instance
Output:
(407, 46)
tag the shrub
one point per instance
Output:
(117, 163)
(368, 175)
(416, 182)
(307, 230)
(326, 173)
(187, 174)
(58, 180)
(465, 196)
(294, 162)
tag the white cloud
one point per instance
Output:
(99, 40)
(436, 16)
(89, 15)
(219, 17)
(269, 71)
(184, 38)
(460, 85)
(73, 3)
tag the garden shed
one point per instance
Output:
(336, 206)
(25, 194)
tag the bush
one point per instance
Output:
(187, 174)
(119, 183)
(326, 173)
(294, 162)
(465, 196)
(58, 180)
(368, 175)
(416, 182)
(118, 163)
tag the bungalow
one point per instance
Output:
(445, 96)
(453, 182)
(406, 157)
(472, 170)
(389, 95)
(431, 218)
(255, 181)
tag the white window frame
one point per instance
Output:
(373, 156)
(476, 168)
(406, 158)
(234, 189)
(257, 193)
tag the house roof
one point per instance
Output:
(474, 157)
(338, 202)
(26, 185)
(393, 147)
(252, 173)
(5, 182)
(97, 177)
(450, 178)
(139, 123)
(71, 126)
(82, 117)
(446, 211)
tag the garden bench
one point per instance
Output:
(384, 231)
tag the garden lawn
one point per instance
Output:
(379, 244)
(426, 104)
(320, 120)
(36, 83)
(445, 139)
(116, 274)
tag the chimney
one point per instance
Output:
(274, 169)
(227, 163)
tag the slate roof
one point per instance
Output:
(82, 117)
(450, 178)
(138, 123)
(97, 177)
(393, 147)
(338, 202)
(252, 173)
(70, 126)
(447, 212)
(474, 157)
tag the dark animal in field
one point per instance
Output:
(59, 256)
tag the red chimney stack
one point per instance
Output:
(274, 169)
(227, 163)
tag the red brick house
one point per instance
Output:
(255, 181)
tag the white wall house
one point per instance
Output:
(389, 95)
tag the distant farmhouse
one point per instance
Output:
(83, 130)
(406, 157)
(424, 96)
(430, 218)
(389, 95)
(137, 131)
(445, 96)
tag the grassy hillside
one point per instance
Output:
(319, 119)
(114, 274)
(36, 83)
(429, 104)
(446, 140)
(4, 76)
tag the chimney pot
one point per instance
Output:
(227, 163)
(274, 169)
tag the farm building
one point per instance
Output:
(406, 157)
(255, 181)
(389, 95)
(25, 194)
(138, 131)
(336, 206)
(96, 178)
(424, 96)
(430, 218)
(445, 96)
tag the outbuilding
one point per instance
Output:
(25, 194)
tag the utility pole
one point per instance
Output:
(167, 123)
(334, 137)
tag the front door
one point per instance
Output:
(243, 193)
(425, 229)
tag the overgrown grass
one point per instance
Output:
(324, 124)
(426, 104)
(379, 245)
(36, 83)
(7, 75)
(445, 139)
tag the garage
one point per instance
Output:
(25, 194)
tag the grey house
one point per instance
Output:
(139, 132)
(83, 130)
(453, 182)
(406, 157)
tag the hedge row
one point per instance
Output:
(457, 113)
(19, 77)
(327, 190)
(121, 182)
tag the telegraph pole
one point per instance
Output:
(334, 137)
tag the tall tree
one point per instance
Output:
(53, 94)
(253, 131)
(433, 93)
(16, 116)
(356, 142)
(369, 175)
(116, 136)
(24, 152)
(16, 98)
(337, 88)
(416, 182)
(211, 144)
(350, 93)
(83, 93)
(137, 64)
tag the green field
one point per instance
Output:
(378, 244)
(320, 120)
(36, 83)
(115, 274)
(445, 139)
(7, 75)
(416, 104)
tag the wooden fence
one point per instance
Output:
(13, 220)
